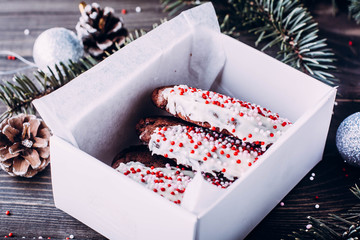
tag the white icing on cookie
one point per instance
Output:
(170, 182)
(205, 150)
(247, 121)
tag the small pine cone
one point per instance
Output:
(24, 145)
(99, 29)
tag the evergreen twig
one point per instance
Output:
(286, 24)
(19, 93)
(346, 226)
(354, 10)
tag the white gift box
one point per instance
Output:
(93, 117)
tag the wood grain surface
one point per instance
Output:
(30, 201)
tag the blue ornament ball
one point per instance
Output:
(56, 45)
(348, 139)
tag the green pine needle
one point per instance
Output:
(354, 10)
(346, 226)
(19, 93)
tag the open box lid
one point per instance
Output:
(86, 111)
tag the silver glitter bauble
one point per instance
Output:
(348, 139)
(56, 45)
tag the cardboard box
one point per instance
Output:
(93, 117)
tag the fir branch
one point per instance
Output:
(354, 10)
(346, 226)
(284, 24)
(19, 93)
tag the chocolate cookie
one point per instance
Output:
(141, 154)
(246, 121)
(154, 172)
(200, 148)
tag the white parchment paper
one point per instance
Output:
(97, 112)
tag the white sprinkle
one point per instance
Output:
(26, 31)
(317, 206)
(313, 174)
(311, 178)
(282, 204)
(40, 237)
(308, 226)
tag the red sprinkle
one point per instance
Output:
(232, 119)
(238, 161)
(10, 234)
(7, 212)
(249, 164)
(181, 145)
(165, 155)
(271, 135)
(223, 170)
(123, 11)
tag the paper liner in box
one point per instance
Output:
(200, 194)
(98, 110)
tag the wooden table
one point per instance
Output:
(30, 201)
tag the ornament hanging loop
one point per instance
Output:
(17, 56)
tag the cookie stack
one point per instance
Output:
(219, 136)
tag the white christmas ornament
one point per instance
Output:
(56, 45)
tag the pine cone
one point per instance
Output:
(24, 145)
(99, 29)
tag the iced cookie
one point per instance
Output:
(246, 121)
(200, 148)
(154, 172)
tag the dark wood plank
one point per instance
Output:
(30, 201)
